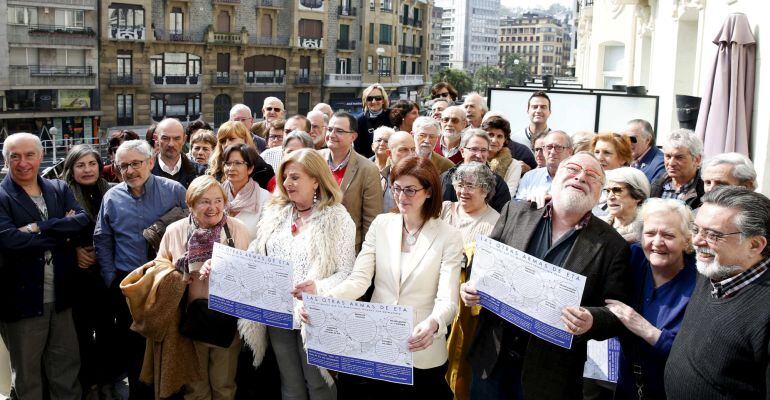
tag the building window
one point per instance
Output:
(125, 109)
(386, 34)
(175, 105)
(22, 16)
(264, 69)
(303, 103)
(371, 33)
(384, 66)
(304, 67)
(176, 21)
(369, 64)
(124, 63)
(343, 66)
(175, 68)
(223, 65)
(70, 18)
(126, 22)
(311, 28)
(403, 68)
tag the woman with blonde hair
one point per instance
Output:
(306, 224)
(376, 114)
(233, 132)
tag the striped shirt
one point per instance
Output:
(728, 287)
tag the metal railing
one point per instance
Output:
(347, 11)
(268, 3)
(312, 79)
(39, 28)
(346, 45)
(268, 40)
(20, 34)
(90, 4)
(225, 79)
(166, 80)
(60, 70)
(125, 79)
(409, 50)
(265, 80)
(54, 152)
(173, 36)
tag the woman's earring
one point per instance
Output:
(315, 197)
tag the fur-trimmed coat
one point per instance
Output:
(330, 252)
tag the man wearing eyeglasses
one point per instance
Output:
(474, 147)
(427, 131)
(453, 123)
(506, 361)
(171, 163)
(556, 147)
(721, 349)
(358, 177)
(126, 210)
(38, 217)
(647, 157)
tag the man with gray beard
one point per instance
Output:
(508, 362)
(721, 351)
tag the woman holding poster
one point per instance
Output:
(414, 259)
(306, 224)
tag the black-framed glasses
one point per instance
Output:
(408, 191)
(373, 98)
(554, 147)
(275, 137)
(338, 131)
(276, 109)
(133, 164)
(712, 237)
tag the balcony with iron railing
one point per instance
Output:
(310, 43)
(347, 11)
(81, 4)
(260, 78)
(124, 79)
(268, 4)
(342, 80)
(71, 30)
(280, 41)
(307, 79)
(388, 8)
(226, 1)
(22, 34)
(186, 81)
(48, 76)
(409, 50)
(121, 32)
(163, 35)
(411, 80)
(220, 78)
(416, 22)
(343, 45)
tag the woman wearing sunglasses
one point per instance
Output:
(444, 90)
(414, 258)
(376, 114)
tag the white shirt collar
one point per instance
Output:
(170, 171)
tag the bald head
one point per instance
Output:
(324, 108)
(171, 139)
(400, 145)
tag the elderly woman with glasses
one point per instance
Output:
(375, 115)
(625, 191)
(306, 224)
(414, 258)
(474, 184)
(380, 146)
(245, 198)
(664, 272)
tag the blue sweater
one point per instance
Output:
(664, 308)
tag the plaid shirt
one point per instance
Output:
(728, 287)
(669, 192)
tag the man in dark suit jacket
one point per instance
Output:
(171, 163)
(38, 219)
(508, 362)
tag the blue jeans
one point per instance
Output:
(503, 383)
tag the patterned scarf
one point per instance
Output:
(247, 198)
(200, 245)
(501, 162)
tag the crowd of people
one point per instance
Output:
(105, 271)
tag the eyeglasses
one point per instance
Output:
(712, 237)
(408, 191)
(453, 120)
(617, 190)
(591, 175)
(468, 187)
(554, 147)
(381, 140)
(423, 136)
(275, 137)
(233, 164)
(276, 109)
(133, 164)
(337, 131)
(477, 150)
(373, 98)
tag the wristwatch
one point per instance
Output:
(29, 228)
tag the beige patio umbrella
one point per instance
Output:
(724, 122)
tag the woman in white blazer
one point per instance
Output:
(414, 258)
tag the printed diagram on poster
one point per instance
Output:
(251, 286)
(524, 290)
(364, 339)
(602, 360)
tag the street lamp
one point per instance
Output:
(380, 52)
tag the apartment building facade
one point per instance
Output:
(469, 33)
(539, 39)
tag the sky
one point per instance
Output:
(534, 3)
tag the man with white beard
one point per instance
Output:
(453, 123)
(426, 131)
(509, 363)
(721, 350)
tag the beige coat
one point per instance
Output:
(362, 193)
(428, 279)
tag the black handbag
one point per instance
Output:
(200, 323)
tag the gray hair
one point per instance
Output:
(474, 132)
(647, 130)
(424, 121)
(482, 103)
(636, 181)
(654, 206)
(239, 107)
(271, 99)
(454, 110)
(477, 173)
(685, 138)
(12, 139)
(139, 146)
(302, 136)
(323, 115)
(753, 208)
(743, 168)
(382, 131)
(565, 134)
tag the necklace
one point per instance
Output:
(411, 238)
(296, 217)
